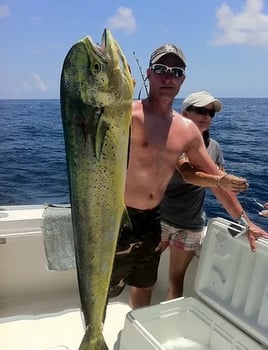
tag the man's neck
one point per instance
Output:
(161, 106)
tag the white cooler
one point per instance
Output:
(231, 308)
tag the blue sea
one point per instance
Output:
(33, 166)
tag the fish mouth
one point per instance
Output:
(106, 40)
(104, 50)
(109, 51)
(110, 48)
(112, 51)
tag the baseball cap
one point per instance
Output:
(167, 49)
(201, 99)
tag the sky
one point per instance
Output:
(225, 42)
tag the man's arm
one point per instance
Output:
(200, 159)
(231, 205)
(199, 178)
(264, 212)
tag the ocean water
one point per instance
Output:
(33, 166)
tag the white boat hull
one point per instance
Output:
(39, 307)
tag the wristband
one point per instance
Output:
(219, 179)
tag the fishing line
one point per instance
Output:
(249, 203)
(143, 78)
(258, 203)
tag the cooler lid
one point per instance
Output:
(233, 280)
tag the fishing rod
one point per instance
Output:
(143, 78)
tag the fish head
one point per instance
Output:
(119, 72)
(97, 74)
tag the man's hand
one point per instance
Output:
(265, 211)
(233, 183)
(255, 232)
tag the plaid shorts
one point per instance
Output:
(181, 238)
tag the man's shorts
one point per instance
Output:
(137, 257)
(181, 238)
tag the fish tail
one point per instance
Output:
(90, 343)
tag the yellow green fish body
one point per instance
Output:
(96, 100)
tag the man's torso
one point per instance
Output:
(156, 143)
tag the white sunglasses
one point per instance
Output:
(161, 69)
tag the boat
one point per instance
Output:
(40, 308)
(38, 305)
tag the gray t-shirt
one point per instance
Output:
(215, 152)
(183, 203)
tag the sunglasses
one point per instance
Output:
(202, 111)
(161, 69)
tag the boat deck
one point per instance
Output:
(40, 309)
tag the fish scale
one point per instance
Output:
(96, 101)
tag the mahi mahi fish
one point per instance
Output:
(96, 101)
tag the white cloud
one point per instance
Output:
(250, 26)
(38, 83)
(34, 83)
(123, 19)
(4, 11)
(31, 86)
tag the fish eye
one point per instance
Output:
(97, 67)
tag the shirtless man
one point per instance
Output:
(159, 135)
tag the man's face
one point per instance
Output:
(164, 81)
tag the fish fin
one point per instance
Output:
(93, 343)
(100, 136)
